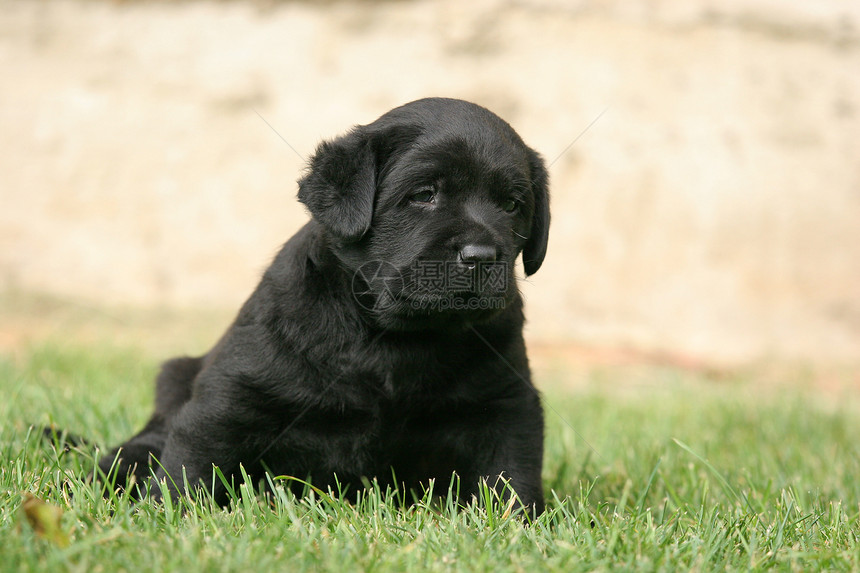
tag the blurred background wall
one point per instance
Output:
(705, 156)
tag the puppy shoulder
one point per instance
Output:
(297, 259)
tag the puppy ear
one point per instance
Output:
(535, 247)
(340, 185)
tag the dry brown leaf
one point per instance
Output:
(44, 518)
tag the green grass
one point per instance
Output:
(674, 472)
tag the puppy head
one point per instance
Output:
(428, 207)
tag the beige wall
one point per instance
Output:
(712, 211)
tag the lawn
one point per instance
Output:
(672, 471)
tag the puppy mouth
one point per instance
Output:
(428, 292)
(457, 279)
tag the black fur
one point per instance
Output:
(336, 365)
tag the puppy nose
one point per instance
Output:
(471, 255)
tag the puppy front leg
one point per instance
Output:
(523, 476)
(514, 456)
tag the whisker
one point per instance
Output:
(520, 236)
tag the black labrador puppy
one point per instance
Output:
(385, 340)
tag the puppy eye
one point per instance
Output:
(510, 206)
(425, 195)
